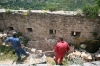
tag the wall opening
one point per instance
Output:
(73, 33)
(52, 31)
(29, 29)
(10, 28)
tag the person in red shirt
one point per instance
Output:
(60, 49)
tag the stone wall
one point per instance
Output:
(38, 26)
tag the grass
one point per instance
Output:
(8, 55)
(52, 62)
(66, 62)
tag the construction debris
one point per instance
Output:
(83, 55)
(41, 49)
(97, 55)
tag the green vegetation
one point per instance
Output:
(19, 34)
(24, 40)
(90, 46)
(5, 49)
(92, 11)
(91, 8)
(95, 34)
(98, 2)
(8, 11)
(94, 46)
(46, 4)
(8, 53)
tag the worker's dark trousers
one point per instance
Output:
(19, 51)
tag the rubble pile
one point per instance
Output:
(37, 56)
(97, 55)
(4, 35)
(85, 56)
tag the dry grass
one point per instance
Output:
(50, 60)
(8, 55)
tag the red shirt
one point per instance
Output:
(61, 48)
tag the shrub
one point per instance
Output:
(95, 34)
(91, 45)
(91, 11)
(52, 8)
(6, 49)
(77, 46)
(8, 11)
(79, 11)
(98, 2)
(19, 34)
(24, 40)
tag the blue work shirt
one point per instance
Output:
(14, 41)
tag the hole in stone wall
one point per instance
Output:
(11, 28)
(73, 33)
(52, 31)
(29, 29)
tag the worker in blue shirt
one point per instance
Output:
(14, 40)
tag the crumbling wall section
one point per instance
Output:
(39, 26)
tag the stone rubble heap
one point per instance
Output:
(97, 55)
(85, 56)
(37, 57)
(5, 34)
(2, 38)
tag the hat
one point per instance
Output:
(14, 33)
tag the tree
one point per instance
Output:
(91, 11)
(43, 4)
(98, 2)
(0, 6)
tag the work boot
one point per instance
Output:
(18, 59)
(61, 64)
(27, 55)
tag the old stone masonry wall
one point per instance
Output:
(39, 26)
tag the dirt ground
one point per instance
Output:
(50, 61)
